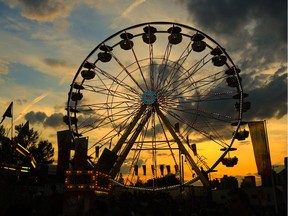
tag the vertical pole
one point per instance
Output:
(12, 126)
(180, 171)
(272, 171)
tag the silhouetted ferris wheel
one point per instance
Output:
(157, 99)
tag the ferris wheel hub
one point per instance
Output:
(149, 97)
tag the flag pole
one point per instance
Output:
(272, 171)
(12, 123)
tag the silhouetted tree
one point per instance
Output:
(42, 150)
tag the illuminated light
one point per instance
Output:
(33, 161)
(23, 167)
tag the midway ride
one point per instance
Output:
(161, 95)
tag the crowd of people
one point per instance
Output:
(128, 203)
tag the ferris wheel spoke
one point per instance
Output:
(114, 80)
(111, 93)
(128, 73)
(196, 127)
(183, 86)
(188, 73)
(177, 65)
(140, 68)
(160, 74)
(151, 67)
(102, 119)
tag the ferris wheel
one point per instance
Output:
(156, 99)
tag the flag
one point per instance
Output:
(24, 130)
(144, 170)
(162, 169)
(168, 169)
(8, 112)
(260, 144)
(136, 169)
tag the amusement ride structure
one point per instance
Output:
(158, 94)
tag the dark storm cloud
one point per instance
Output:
(55, 120)
(269, 100)
(256, 31)
(35, 117)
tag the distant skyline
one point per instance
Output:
(44, 42)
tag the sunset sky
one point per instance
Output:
(43, 42)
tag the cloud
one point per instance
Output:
(35, 117)
(269, 100)
(44, 10)
(4, 69)
(54, 121)
(55, 62)
(256, 29)
(255, 36)
(36, 100)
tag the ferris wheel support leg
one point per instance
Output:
(129, 145)
(119, 144)
(181, 147)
